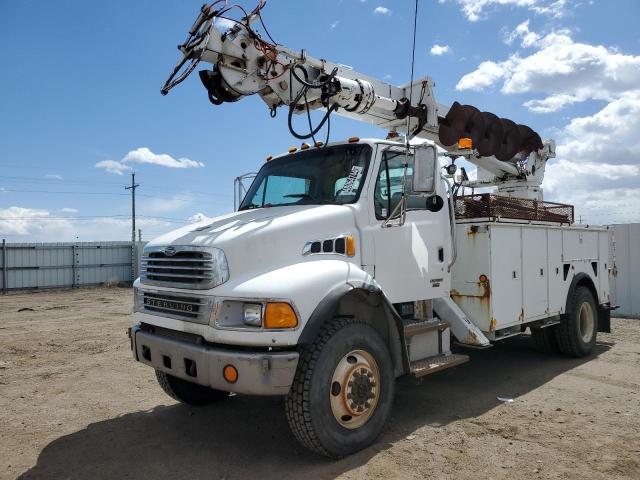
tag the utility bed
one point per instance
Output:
(511, 272)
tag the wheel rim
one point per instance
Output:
(355, 389)
(586, 322)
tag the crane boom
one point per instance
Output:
(242, 63)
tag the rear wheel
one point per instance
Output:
(579, 327)
(187, 392)
(343, 389)
(545, 339)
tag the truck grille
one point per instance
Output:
(184, 267)
(186, 308)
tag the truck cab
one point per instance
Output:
(332, 279)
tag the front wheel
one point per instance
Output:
(343, 389)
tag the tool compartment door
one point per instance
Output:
(534, 272)
(506, 275)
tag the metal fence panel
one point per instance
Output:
(625, 285)
(56, 265)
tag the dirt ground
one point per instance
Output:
(75, 405)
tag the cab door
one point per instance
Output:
(411, 258)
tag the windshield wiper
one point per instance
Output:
(299, 195)
(251, 206)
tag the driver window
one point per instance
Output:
(388, 189)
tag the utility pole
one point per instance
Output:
(133, 187)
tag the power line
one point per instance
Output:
(36, 180)
(94, 217)
(15, 190)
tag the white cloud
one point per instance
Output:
(382, 11)
(598, 165)
(334, 24)
(440, 49)
(113, 166)
(486, 75)
(40, 225)
(54, 176)
(552, 103)
(476, 10)
(555, 9)
(522, 31)
(597, 168)
(69, 210)
(145, 155)
(567, 71)
(609, 136)
(165, 205)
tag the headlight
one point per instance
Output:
(253, 314)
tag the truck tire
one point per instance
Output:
(545, 339)
(579, 326)
(187, 392)
(343, 389)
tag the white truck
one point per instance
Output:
(350, 264)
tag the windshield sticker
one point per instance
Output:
(349, 185)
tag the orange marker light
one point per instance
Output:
(292, 149)
(319, 144)
(354, 139)
(465, 143)
(269, 158)
(304, 146)
(230, 373)
(280, 315)
(351, 245)
(483, 278)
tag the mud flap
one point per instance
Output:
(604, 320)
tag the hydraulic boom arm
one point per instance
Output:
(245, 64)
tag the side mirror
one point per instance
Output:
(424, 169)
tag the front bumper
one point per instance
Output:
(259, 373)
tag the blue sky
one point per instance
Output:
(80, 85)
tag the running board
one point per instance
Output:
(465, 331)
(434, 364)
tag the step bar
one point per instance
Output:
(427, 366)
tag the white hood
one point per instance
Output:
(265, 239)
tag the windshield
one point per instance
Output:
(332, 175)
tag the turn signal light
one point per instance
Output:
(351, 246)
(465, 143)
(230, 373)
(280, 315)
